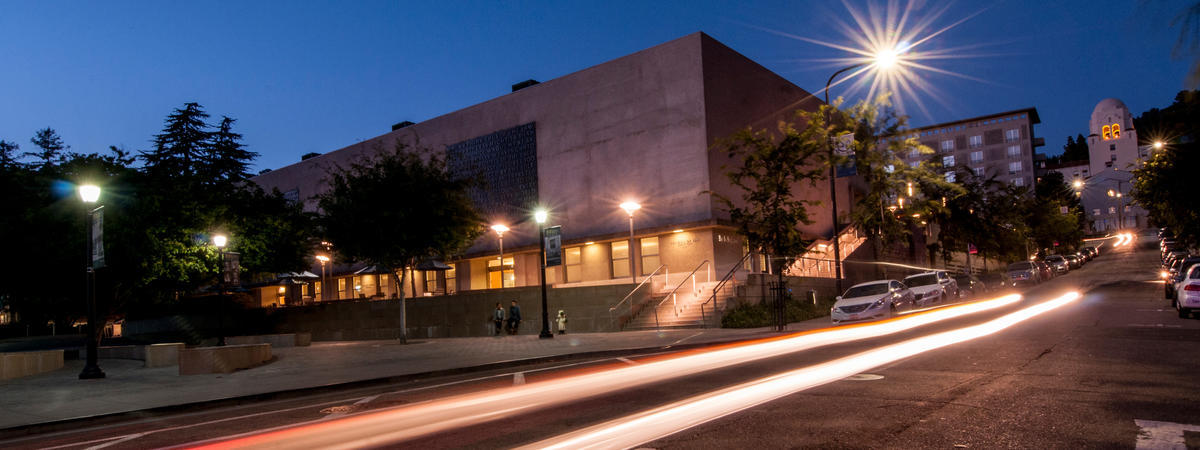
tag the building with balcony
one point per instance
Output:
(1000, 145)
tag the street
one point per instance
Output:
(1105, 370)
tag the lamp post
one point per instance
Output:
(91, 370)
(500, 229)
(324, 285)
(629, 208)
(882, 60)
(219, 241)
(540, 217)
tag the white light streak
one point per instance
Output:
(404, 423)
(666, 420)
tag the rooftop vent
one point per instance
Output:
(401, 125)
(524, 84)
(309, 155)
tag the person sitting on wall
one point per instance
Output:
(514, 317)
(498, 319)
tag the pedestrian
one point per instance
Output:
(514, 317)
(562, 322)
(498, 319)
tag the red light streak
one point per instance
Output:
(663, 421)
(403, 423)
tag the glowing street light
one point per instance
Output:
(540, 216)
(1078, 184)
(629, 208)
(219, 241)
(500, 229)
(324, 286)
(1158, 145)
(91, 194)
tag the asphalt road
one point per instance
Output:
(1107, 370)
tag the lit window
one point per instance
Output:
(431, 281)
(1096, 212)
(1116, 131)
(1011, 135)
(948, 161)
(914, 153)
(341, 288)
(1014, 167)
(1105, 133)
(317, 289)
(573, 259)
(976, 141)
(650, 259)
(1018, 181)
(889, 168)
(1014, 150)
(451, 286)
(620, 259)
(501, 276)
(950, 177)
(977, 156)
(1112, 209)
(979, 171)
(947, 145)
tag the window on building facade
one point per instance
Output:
(431, 281)
(649, 255)
(977, 156)
(342, 288)
(948, 161)
(979, 171)
(947, 145)
(976, 141)
(357, 287)
(501, 276)
(1014, 167)
(1018, 181)
(1014, 150)
(1112, 209)
(950, 177)
(914, 153)
(385, 280)
(451, 280)
(317, 289)
(1096, 212)
(573, 260)
(914, 164)
(1011, 135)
(304, 290)
(620, 259)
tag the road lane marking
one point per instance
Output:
(1155, 435)
(627, 361)
(115, 442)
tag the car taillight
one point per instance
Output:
(1192, 287)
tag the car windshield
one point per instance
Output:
(922, 280)
(863, 291)
(1020, 266)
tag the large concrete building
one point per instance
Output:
(1113, 152)
(638, 128)
(997, 145)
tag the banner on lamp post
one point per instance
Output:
(97, 239)
(553, 246)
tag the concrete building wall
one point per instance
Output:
(1109, 149)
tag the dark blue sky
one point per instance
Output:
(316, 76)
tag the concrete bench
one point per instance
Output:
(225, 359)
(23, 364)
(153, 355)
(303, 339)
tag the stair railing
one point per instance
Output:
(666, 275)
(674, 297)
(717, 289)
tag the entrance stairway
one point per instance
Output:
(680, 309)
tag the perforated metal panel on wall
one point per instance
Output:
(505, 162)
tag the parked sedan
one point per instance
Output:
(932, 287)
(871, 300)
(1075, 261)
(969, 285)
(1175, 274)
(1058, 263)
(1187, 293)
(1023, 272)
(1045, 269)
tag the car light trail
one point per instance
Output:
(666, 420)
(403, 423)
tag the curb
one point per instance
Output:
(108, 418)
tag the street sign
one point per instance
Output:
(554, 246)
(972, 249)
(97, 239)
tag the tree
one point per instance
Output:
(8, 156)
(226, 159)
(1049, 225)
(182, 146)
(373, 214)
(1164, 187)
(50, 147)
(1076, 149)
(770, 168)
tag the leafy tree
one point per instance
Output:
(1165, 188)
(772, 167)
(1178, 122)
(1076, 149)
(1048, 224)
(372, 215)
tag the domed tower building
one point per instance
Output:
(1113, 153)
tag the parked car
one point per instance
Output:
(969, 285)
(1187, 292)
(1092, 252)
(994, 280)
(932, 287)
(871, 300)
(1074, 261)
(1059, 263)
(1046, 271)
(1175, 273)
(1024, 272)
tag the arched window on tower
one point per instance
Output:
(1105, 133)
(1116, 131)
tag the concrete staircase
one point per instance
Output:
(684, 312)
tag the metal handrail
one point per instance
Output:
(662, 267)
(720, 284)
(673, 297)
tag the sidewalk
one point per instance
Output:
(60, 395)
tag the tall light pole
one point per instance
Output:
(219, 241)
(91, 370)
(500, 229)
(324, 285)
(540, 217)
(629, 208)
(882, 60)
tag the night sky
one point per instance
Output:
(316, 76)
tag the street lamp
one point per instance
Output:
(1158, 145)
(882, 60)
(91, 370)
(540, 217)
(500, 229)
(324, 285)
(219, 241)
(629, 208)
